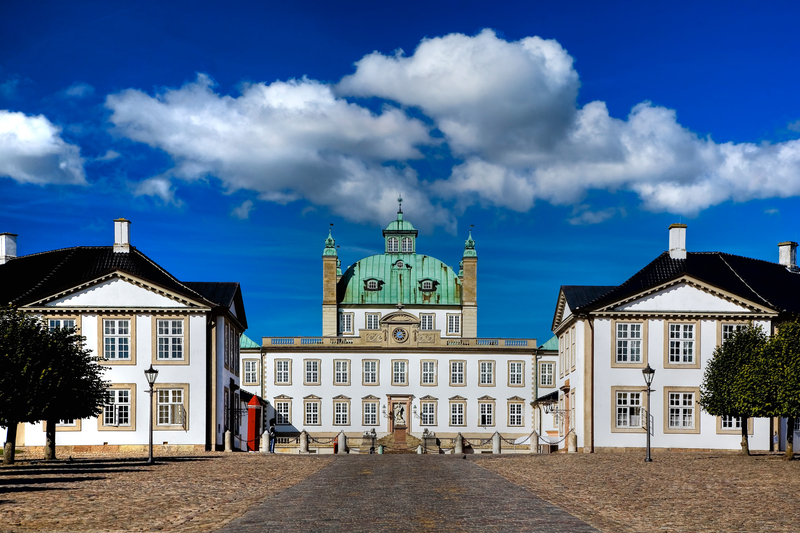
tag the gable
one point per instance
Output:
(683, 297)
(116, 292)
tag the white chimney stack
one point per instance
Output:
(677, 241)
(787, 254)
(122, 236)
(8, 247)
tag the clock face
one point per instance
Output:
(400, 335)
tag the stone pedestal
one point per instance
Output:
(496, 443)
(228, 441)
(572, 443)
(342, 448)
(303, 441)
(459, 444)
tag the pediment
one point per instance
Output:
(282, 397)
(429, 398)
(341, 397)
(118, 291)
(516, 399)
(312, 397)
(486, 398)
(399, 317)
(457, 398)
(370, 397)
(562, 310)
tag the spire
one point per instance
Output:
(400, 207)
(469, 245)
(338, 267)
(330, 243)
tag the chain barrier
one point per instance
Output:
(321, 441)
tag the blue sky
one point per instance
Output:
(570, 134)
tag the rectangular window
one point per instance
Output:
(251, 371)
(629, 409)
(312, 413)
(728, 331)
(629, 343)
(370, 414)
(399, 373)
(731, 422)
(428, 413)
(681, 410)
(456, 372)
(282, 371)
(116, 339)
(312, 371)
(567, 345)
(456, 414)
(61, 323)
(370, 372)
(428, 372)
(282, 412)
(170, 407)
(341, 372)
(561, 355)
(117, 408)
(170, 339)
(373, 320)
(515, 373)
(487, 373)
(546, 377)
(346, 323)
(487, 412)
(681, 343)
(340, 410)
(573, 335)
(226, 340)
(453, 324)
(426, 322)
(515, 414)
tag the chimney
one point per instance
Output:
(677, 241)
(8, 247)
(787, 254)
(122, 236)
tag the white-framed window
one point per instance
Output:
(567, 345)
(408, 244)
(251, 371)
(370, 372)
(681, 343)
(170, 339)
(282, 412)
(731, 422)
(392, 245)
(373, 320)
(340, 413)
(399, 373)
(116, 339)
(61, 323)
(341, 372)
(561, 344)
(573, 336)
(427, 285)
(346, 323)
(456, 372)
(629, 409)
(629, 343)
(457, 414)
(486, 414)
(428, 417)
(487, 373)
(67, 423)
(546, 374)
(515, 373)
(428, 372)
(681, 410)
(312, 413)
(117, 408)
(515, 414)
(282, 371)
(453, 324)
(372, 285)
(312, 371)
(226, 340)
(170, 407)
(797, 424)
(426, 322)
(728, 330)
(370, 413)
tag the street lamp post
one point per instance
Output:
(151, 374)
(648, 374)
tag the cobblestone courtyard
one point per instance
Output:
(255, 492)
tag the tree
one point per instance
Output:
(734, 384)
(783, 357)
(73, 383)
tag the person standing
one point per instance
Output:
(272, 435)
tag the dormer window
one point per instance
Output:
(392, 245)
(408, 244)
(373, 284)
(428, 285)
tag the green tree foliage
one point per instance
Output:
(733, 383)
(783, 357)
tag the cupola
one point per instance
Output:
(400, 235)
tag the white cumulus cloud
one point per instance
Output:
(243, 211)
(32, 151)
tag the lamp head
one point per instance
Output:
(648, 374)
(151, 374)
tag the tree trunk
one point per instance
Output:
(50, 441)
(745, 443)
(11, 442)
(790, 438)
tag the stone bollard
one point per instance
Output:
(496, 443)
(420, 450)
(228, 441)
(342, 443)
(263, 446)
(572, 443)
(534, 442)
(303, 441)
(380, 449)
(459, 444)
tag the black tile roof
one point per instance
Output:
(225, 294)
(579, 295)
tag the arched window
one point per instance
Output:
(392, 245)
(407, 244)
(372, 285)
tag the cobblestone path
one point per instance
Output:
(405, 493)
